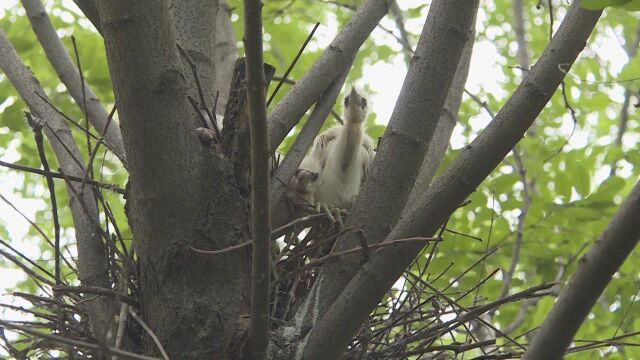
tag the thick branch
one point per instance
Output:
(181, 194)
(69, 75)
(256, 347)
(404, 144)
(461, 178)
(316, 80)
(440, 140)
(592, 276)
(92, 264)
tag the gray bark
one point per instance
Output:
(594, 272)
(194, 24)
(92, 262)
(448, 120)
(182, 194)
(69, 75)
(450, 189)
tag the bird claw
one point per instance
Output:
(332, 214)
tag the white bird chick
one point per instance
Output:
(344, 153)
(305, 181)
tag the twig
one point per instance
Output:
(98, 291)
(75, 343)
(524, 210)
(304, 221)
(66, 117)
(222, 251)
(58, 175)
(195, 107)
(477, 286)
(293, 63)
(84, 105)
(404, 36)
(358, 250)
(27, 259)
(203, 101)
(26, 269)
(122, 321)
(150, 332)
(481, 260)
(89, 171)
(334, 113)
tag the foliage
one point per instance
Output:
(576, 173)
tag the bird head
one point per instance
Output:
(305, 180)
(355, 107)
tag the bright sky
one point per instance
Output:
(385, 79)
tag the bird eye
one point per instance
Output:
(364, 103)
(346, 101)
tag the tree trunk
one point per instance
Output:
(182, 193)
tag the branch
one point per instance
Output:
(592, 276)
(91, 253)
(524, 210)
(256, 346)
(69, 75)
(464, 174)
(150, 332)
(404, 36)
(406, 139)
(318, 78)
(631, 50)
(448, 120)
(521, 39)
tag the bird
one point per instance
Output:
(332, 173)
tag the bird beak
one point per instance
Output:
(354, 92)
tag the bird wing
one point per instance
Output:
(321, 147)
(367, 144)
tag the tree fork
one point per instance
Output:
(463, 175)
